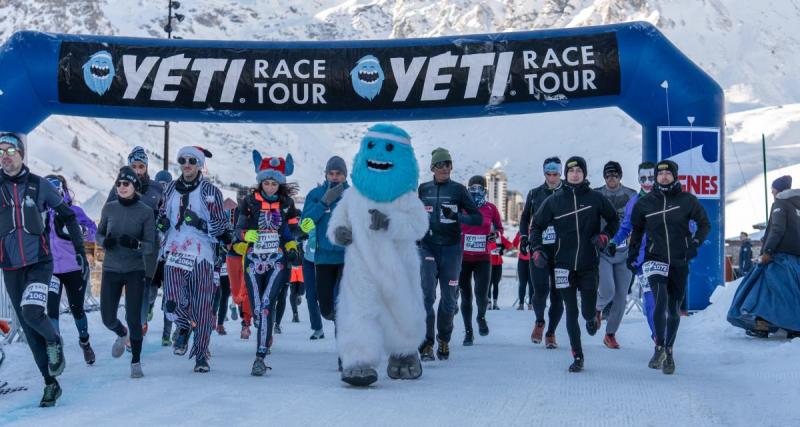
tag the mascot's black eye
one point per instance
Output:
(389, 147)
(370, 145)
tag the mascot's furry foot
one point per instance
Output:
(360, 376)
(404, 367)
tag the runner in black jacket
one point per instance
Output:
(575, 211)
(544, 281)
(664, 215)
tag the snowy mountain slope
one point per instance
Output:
(749, 47)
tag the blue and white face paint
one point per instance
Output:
(98, 72)
(478, 194)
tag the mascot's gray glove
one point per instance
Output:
(343, 236)
(331, 194)
(379, 220)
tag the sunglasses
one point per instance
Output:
(648, 178)
(442, 165)
(183, 160)
(125, 184)
(8, 151)
(611, 175)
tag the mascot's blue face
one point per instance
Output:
(385, 167)
(367, 77)
(98, 72)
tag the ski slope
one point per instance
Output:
(722, 378)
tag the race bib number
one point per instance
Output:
(55, 285)
(562, 278)
(181, 260)
(268, 243)
(475, 243)
(35, 294)
(655, 268)
(223, 270)
(549, 236)
(643, 283)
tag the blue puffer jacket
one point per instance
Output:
(326, 251)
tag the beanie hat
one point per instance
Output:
(668, 165)
(612, 167)
(782, 183)
(552, 165)
(477, 179)
(137, 155)
(126, 173)
(15, 139)
(576, 161)
(197, 152)
(164, 177)
(336, 163)
(440, 155)
(274, 168)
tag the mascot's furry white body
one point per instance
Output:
(380, 308)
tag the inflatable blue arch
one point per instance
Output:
(631, 66)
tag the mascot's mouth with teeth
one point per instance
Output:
(385, 166)
(101, 72)
(379, 166)
(367, 77)
(98, 72)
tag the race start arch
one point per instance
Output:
(631, 66)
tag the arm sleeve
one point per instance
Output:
(625, 226)
(541, 219)
(65, 214)
(102, 228)
(339, 218)
(410, 221)
(525, 218)
(89, 227)
(701, 219)
(608, 213)
(241, 222)
(217, 222)
(313, 207)
(498, 223)
(776, 228)
(473, 216)
(149, 246)
(637, 228)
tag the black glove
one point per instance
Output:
(691, 252)
(191, 218)
(449, 213)
(539, 258)
(524, 245)
(293, 257)
(631, 263)
(110, 242)
(162, 224)
(379, 220)
(492, 235)
(83, 262)
(129, 242)
(501, 251)
(226, 237)
(611, 249)
(331, 194)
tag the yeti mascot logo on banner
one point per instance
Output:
(98, 72)
(379, 220)
(367, 77)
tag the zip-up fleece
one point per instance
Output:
(533, 202)
(434, 195)
(575, 212)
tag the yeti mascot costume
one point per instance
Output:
(379, 220)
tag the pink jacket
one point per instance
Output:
(474, 237)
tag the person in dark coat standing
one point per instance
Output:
(745, 254)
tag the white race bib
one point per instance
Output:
(268, 243)
(475, 243)
(223, 270)
(549, 236)
(181, 260)
(562, 278)
(55, 285)
(35, 294)
(655, 268)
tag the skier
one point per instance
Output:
(523, 275)
(476, 260)
(575, 212)
(497, 246)
(544, 282)
(235, 263)
(128, 235)
(67, 274)
(440, 251)
(192, 220)
(665, 214)
(379, 220)
(26, 258)
(266, 219)
(615, 278)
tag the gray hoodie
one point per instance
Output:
(135, 220)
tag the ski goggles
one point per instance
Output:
(183, 160)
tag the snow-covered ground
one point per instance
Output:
(723, 378)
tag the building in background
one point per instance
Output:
(515, 203)
(496, 189)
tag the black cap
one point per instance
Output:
(477, 179)
(668, 165)
(575, 161)
(612, 167)
(126, 173)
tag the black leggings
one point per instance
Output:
(281, 307)
(328, 277)
(220, 304)
(525, 282)
(586, 283)
(669, 293)
(480, 270)
(111, 292)
(544, 284)
(497, 274)
(76, 292)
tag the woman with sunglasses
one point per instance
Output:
(66, 271)
(476, 259)
(128, 234)
(266, 221)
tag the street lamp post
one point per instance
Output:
(171, 5)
